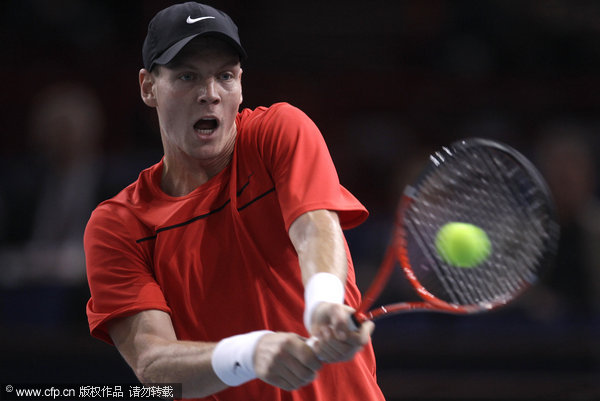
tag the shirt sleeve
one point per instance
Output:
(301, 166)
(119, 274)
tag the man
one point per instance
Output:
(216, 264)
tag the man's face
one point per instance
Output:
(197, 98)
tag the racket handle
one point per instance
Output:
(356, 320)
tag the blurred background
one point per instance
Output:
(387, 82)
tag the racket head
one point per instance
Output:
(494, 187)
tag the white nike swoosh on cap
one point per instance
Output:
(191, 20)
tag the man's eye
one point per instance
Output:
(186, 77)
(226, 76)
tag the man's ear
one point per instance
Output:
(147, 87)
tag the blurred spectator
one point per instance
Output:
(566, 155)
(66, 125)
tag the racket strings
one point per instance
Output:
(515, 213)
(506, 205)
(525, 200)
(468, 288)
(489, 189)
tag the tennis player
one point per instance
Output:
(216, 265)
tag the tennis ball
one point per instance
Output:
(462, 244)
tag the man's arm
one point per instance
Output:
(148, 343)
(319, 241)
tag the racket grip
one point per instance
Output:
(356, 320)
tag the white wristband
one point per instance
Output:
(233, 358)
(321, 287)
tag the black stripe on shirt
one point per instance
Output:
(205, 215)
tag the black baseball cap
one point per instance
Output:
(175, 26)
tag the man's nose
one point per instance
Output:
(208, 93)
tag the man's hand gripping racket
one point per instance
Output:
(471, 233)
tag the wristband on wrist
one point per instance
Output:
(321, 287)
(233, 358)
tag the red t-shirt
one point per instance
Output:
(219, 260)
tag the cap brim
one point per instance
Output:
(171, 52)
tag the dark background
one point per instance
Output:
(387, 82)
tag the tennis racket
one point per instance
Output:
(480, 182)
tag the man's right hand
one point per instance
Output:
(284, 360)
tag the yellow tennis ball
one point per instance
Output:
(462, 244)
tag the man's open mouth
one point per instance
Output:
(206, 125)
